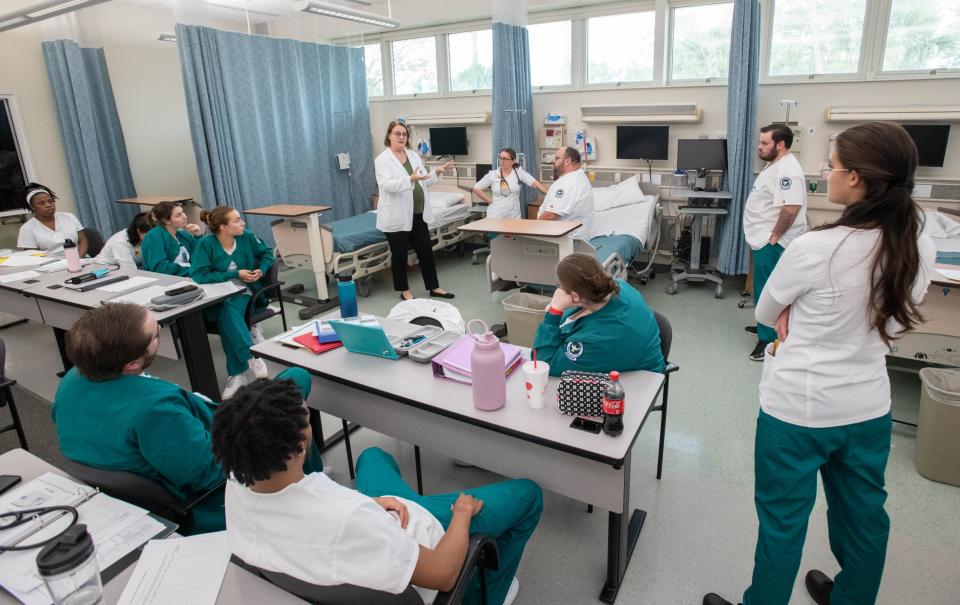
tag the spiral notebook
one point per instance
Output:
(454, 362)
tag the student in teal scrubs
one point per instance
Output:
(167, 247)
(596, 323)
(232, 253)
(110, 414)
(382, 536)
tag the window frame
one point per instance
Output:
(668, 59)
(383, 70)
(22, 141)
(572, 86)
(465, 93)
(585, 50)
(884, 9)
(439, 47)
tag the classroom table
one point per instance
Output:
(239, 585)
(404, 400)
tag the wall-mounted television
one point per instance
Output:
(931, 142)
(448, 141)
(642, 142)
(702, 154)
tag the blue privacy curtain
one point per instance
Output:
(742, 92)
(267, 118)
(91, 133)
(512, 96)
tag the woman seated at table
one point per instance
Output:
(596, 323)
(230, 252)
(167, 247)
(48, 229)
(124, 246)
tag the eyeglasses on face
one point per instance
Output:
(827, 167)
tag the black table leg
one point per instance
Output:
(197, 356)
(61, 336)
(622, 534)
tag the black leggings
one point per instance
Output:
(400, 242)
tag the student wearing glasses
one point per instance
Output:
(505, 184)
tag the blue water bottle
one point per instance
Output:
(347, 292)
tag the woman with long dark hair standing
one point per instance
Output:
(838, 297)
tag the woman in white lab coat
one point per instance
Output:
(838, 297)
(505, 184)
(403, 209)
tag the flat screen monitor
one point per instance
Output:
(931, 142)
(448, 141)
(702, 154)
(642, 142)
(483, 169)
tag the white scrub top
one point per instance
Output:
(118, 249)
(831, 369)
(571, 198)
(779, 184)
(506, 204)
(34, 234)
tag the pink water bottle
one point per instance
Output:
(487, 368)
(72, 254)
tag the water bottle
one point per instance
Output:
(613, 406)
(68, 566)
(487, 369)
(347, 293)
(72, 254)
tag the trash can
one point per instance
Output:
(938, 429)
(523, 313)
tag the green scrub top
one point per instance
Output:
(160, 249)
(417, 190)
(211, 263)
(621, 336)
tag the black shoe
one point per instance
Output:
(751, 329)
(436, 294)
(819, 586)
(759, 351)
(713, 598)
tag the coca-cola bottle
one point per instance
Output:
(613, 406)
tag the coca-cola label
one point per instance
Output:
(612, 406)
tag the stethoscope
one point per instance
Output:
(37, 514)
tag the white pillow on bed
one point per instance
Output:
(445, 199)
(621, 194)
(940, 226)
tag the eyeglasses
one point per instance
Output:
(505, 158)
(826, 168)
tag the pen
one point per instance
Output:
(773, 351)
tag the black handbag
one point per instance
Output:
(581, 393)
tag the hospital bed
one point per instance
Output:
(355, 244)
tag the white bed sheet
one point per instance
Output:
(631, 219)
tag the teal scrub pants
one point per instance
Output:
(234, 334)
(764, 260)
(511, 510)
(851, 461)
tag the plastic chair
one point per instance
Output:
(94, 241)
(271, 292)
(137, 489)
(6, 399)
(482, 554)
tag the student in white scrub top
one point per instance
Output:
(570, 197)
(48, 229)
(838, 297)
(383, 535)
(505, 185)
(124, 246)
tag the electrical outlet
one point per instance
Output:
(616, 177)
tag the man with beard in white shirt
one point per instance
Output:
(570, 197)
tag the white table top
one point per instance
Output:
(412, 383)
(239, 585)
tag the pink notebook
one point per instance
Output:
(454, 361)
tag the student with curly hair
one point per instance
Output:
(596, 323)
(384, 536)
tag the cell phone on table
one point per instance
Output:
(585, 424)
(8, 481)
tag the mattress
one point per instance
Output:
(630, 219)
(448, 214)
(356, 232)
(627, 246)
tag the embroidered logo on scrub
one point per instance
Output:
(559, 193)
(785, 183)
(574, 350)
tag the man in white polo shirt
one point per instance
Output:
(570, 197)
(775, 214)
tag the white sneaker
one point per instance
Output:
(256, 335)
(233, 384)
(512, 593)
(258, 368)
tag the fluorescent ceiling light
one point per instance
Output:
(342, 12)
(44, 10)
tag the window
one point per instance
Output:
(620, 48)
(701, 41)
(471, 60)
(816, 37)
(415, 66)
(13, 173)
(923, 35)
(371, 56)
(550, 53)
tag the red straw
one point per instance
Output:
(534, 359)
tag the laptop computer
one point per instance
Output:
(365, 337)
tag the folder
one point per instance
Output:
(311, 341)
(454, 362)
